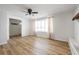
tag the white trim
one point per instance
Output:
(2, 43)
(73, 48)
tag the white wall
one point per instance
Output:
(3, 28)
(11, 11)
(31, 28)
(25, 22)
(25, 27)
(76, 31)
(76, 28)
(63, 26)
(74, 42)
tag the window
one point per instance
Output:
(41, 25)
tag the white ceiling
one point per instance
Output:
(44, 10)
(50, 9)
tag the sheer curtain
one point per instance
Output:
(50, 27)
(44, 27)
(41, 25)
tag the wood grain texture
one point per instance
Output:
(34, 46)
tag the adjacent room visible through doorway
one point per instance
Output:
(14, 27)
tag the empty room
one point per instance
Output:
(39, 29)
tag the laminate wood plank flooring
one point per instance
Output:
(32, 45)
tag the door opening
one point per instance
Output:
(14, 27)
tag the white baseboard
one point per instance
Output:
(60, 38)
(2, 43)
(74, 49)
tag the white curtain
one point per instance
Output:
(50, 27)
(44, 27)
(41, 25)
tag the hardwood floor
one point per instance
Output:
(34, 46)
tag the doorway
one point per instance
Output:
(14, 27)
